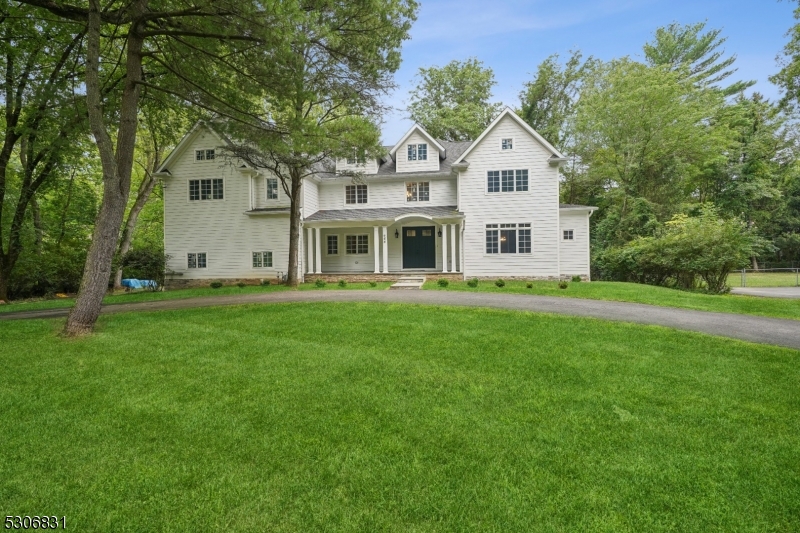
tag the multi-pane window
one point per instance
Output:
(333, 245)
(417, 152)
(569, 235)
(206, 189)
(204, 155)
(357, 244)
(196, 260)
(418, 191)
(507, 144)
(355, 194)
(272, 188)
(357, 157)
(262, 259)
(507, 180)
(508, 238)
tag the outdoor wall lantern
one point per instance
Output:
(396, 234)
(440, 232)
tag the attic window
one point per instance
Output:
(356, 158)
(507, 144)
(418, 152)
(204, 155)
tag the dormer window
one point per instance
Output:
(507, 144)
(418, 152)
(356, 158)
(204, 155)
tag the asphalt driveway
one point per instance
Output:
(769, 292)
(777, 331)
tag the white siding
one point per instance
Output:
(218, 227)
(404, 165)
(383, 194)
(538, 206)
(310, 197)
(369, 167)
(260, 192)
(575, 253)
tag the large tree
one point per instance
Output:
(170, 47)
(332, 98)
(454, 102)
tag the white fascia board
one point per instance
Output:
(532, 132)
(187, 139)
(416, 127)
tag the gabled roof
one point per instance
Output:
(421, 130)
(508, 112)
(187, 140)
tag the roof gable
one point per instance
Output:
(187, 141)
(421, 130)
(508, 112)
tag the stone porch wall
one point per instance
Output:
(177, 283)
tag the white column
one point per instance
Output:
(376, 248)
(309, 251)
(385, 249)
(318, 268)
(444, 248)
(453, 247)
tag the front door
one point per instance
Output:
(419, 247)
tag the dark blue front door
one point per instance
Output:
(419, 247)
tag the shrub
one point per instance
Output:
(373, 284)
(216, 284)
(529, 285)
(241, 284)
(342, 283)
(320, 283)
(500, 283)
(473, 282)
(563, 284)
(146, 264)
(443, 283)
(265, 282)
(576, 279)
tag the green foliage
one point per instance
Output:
(685, 48)
(241, 285)
(500, 283)
(473, 282)
(342, 283)
(563, 284)
(373, 284)
(215, 284)
(688, 250)
(453, 102)
(144, 263)
(576, 279)
(265, 283)
(529, 285)
(319, 283)
(442, 282)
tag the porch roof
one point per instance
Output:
(389, 213)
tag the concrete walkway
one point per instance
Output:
(776, 331)
(769, 292)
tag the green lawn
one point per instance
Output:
(764, 279)
(646, 294)
(149, 296)
(368, 417)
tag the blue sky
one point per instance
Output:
(513, 37)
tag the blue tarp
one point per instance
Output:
(139, 283)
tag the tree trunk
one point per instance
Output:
(37, 224)
(754, 263)
(292, 278)
(116, 170)
(145, 189)
(5, 274)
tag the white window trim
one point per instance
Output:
(196, 268)
(262, 260)
(513, 145)
(224, 191)
(405, 191)
(266, 190)
(338, 245)
(426, 151)
(344, 192)
(501, 193)
(369, 243)
(564, 237)
(194, 156)
(515, 254)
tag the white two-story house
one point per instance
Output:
(488, 208)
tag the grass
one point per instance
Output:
(764, 279)
(150, 296)
(646, 294)
(367, 417)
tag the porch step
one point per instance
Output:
(409, 282)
